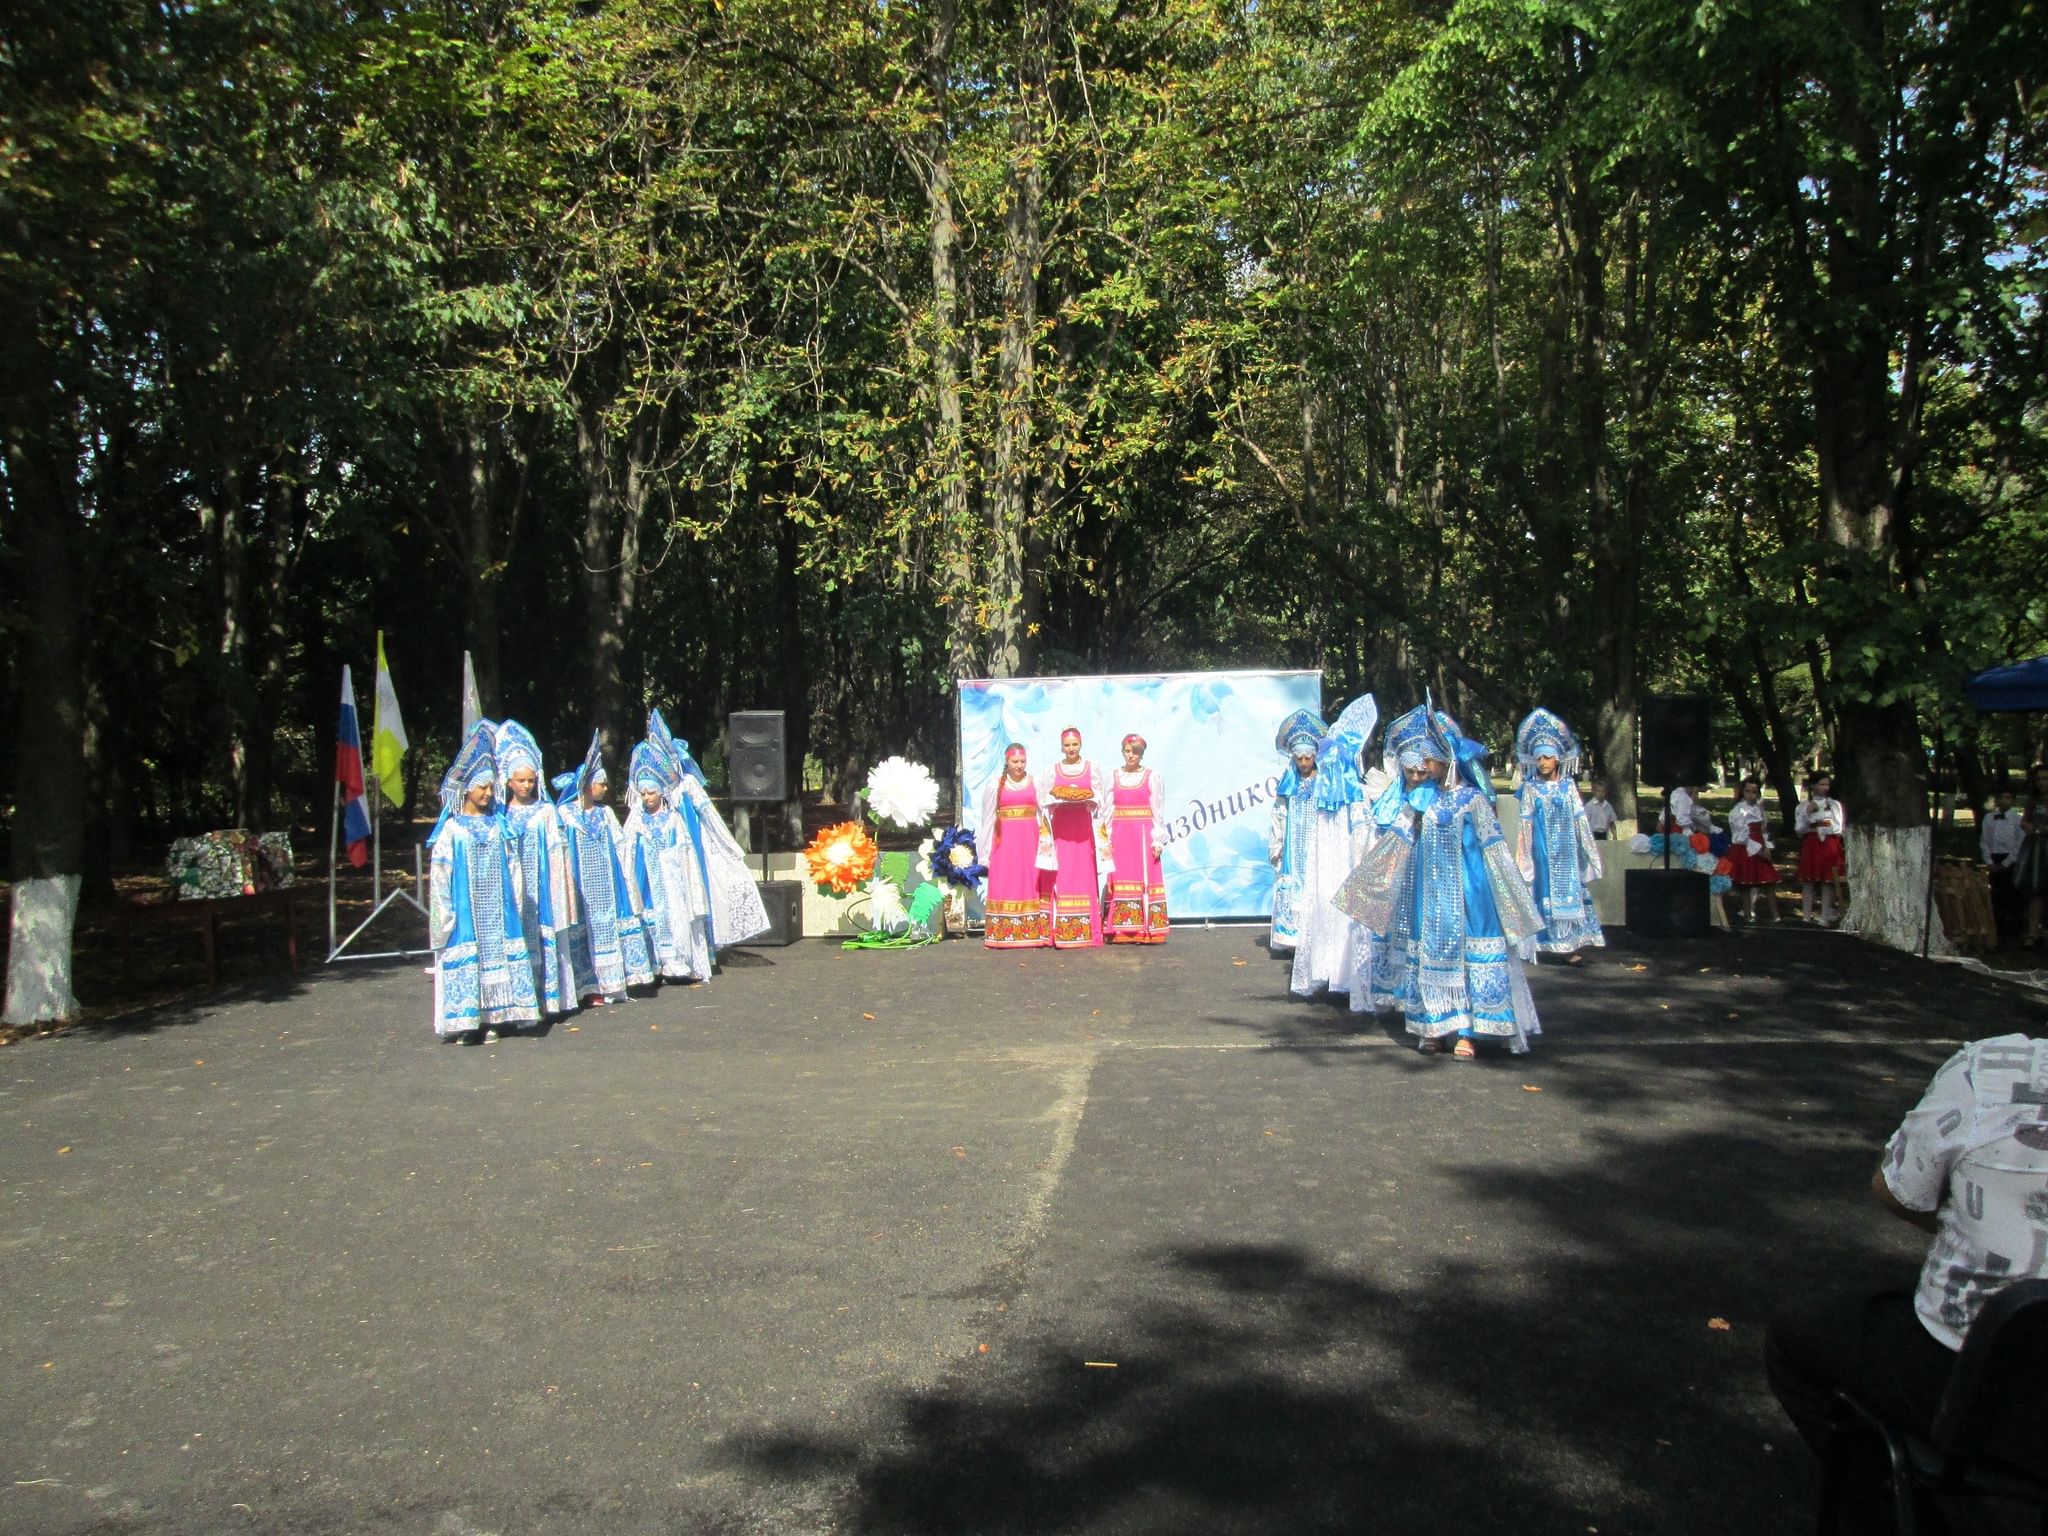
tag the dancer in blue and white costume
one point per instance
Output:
(538, 850)
(1555, 849)
(1335, 952)
(668, 871)
(737, 913)
(483, 979)
(614, 953)
(1442, 897)
(1293, 816)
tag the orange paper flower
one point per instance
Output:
(842, 858)
(1700, 842)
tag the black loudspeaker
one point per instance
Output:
(784, 901)
(758, 765)
(1667, 903)
(1675, 732)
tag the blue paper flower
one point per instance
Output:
(953, 858)
(1720, 883)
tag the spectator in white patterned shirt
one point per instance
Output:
(1969, 1165)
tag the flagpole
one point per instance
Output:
(333, 862)
(376, 843)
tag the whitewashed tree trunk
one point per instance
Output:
(1888, 869)
(39, 951)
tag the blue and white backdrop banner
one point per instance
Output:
(1210, 736)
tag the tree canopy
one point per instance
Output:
(728, 354)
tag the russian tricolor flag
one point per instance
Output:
(348, 772)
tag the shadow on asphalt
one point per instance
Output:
(1610, 1381)
(1269, 1395)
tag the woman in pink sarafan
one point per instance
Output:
(1079, 803)
(1137, 885)
(1017, 911)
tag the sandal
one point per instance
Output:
(1464, 1050)
(1430, 1045)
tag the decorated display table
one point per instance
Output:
(232, 873)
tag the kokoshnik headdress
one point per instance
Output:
(651, 770)
(1339, 773)
(1413, 739)
(1470, 756)
(1300, 729)
(516, 749)
(673, 749)
(1426, 732)
(570, 785)
(475, 763)
(1543, 734)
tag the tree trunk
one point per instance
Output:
(957, 531)
(1013, 481)
(616, 486)
(1881, 770)
(49, 732)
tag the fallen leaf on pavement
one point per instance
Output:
(958, 1151)
(1530, 1088)
(575, 1029)
(1718, 1324)
(1100, 1365)
(62, 1150)
(869, 1017)
(1639, 967)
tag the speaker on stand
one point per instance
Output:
(1676, 740)
(1672, 903)
(757, 755)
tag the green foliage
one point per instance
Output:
(1498, 348)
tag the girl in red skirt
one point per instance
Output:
(1749, 851)
(1821, 867)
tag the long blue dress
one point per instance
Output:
(1294, 814)
(539, 853)
(1557, 855)
(483, 976)
(669, 869)
(614, 953)
(1434, 891)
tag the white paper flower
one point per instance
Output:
(1640, 843)
(886, 912)
(902, 792)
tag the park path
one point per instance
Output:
(950, 1241)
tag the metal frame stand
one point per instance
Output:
(379, 897)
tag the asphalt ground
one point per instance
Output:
(953, 1241)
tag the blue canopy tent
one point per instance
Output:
(2023, 685)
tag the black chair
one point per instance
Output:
(1991, 1427)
